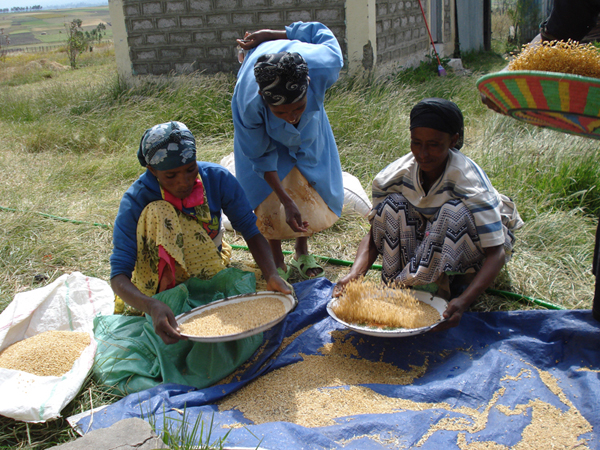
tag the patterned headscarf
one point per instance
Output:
(439, 114)
(282, 77)
(167, 146)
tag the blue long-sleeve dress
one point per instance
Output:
(264, 142)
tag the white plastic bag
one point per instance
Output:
(229, 163)
(355, 197)
(68, 304)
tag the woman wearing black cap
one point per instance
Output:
(436, 215)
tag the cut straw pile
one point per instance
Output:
(559, 56)
(51, 353)
(234, 318)
(365, 302)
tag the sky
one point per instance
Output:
(51, 4)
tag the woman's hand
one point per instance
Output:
(259, 247)
(165, 325)
(293, 217)
(163, 319)
(453, 313)
(292, 214)
(342, 282)
(366, 254)
(494, 260)
(276, 283)
(490, 104)
(252, 40)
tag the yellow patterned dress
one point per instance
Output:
(183, 241)
(183, 237)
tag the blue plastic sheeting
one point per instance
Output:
(511, 378)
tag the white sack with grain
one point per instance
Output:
(356, 200)
(70, 303)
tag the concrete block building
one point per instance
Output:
(160, 37)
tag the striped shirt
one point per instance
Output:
(462, 179)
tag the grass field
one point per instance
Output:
(69, 151)
(39, 28)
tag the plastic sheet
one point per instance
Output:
(510, 378)
(131, 357)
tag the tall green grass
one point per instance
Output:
(69, 145)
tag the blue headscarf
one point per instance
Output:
(167, 146)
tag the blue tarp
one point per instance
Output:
(511, 378)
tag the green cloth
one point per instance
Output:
(132, 358)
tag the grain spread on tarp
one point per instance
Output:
(324, 388)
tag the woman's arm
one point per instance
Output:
(252, 40)
(494, 261)
(292, 213)
(259, 247)
(366, 255)
(163, 318)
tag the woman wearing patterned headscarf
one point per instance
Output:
(437, 220)
(286, 158)
(168, 227)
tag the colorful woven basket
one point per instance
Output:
(562, 102)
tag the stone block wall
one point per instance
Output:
(158, 37)
(182, 36)
(402, 36)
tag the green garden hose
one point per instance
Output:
(338, 262)
(62, 219)
(516, 296)
(507, 294)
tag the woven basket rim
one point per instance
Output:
(536, 74)
(484, 84)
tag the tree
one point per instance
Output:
(99, 29)
(76, 41)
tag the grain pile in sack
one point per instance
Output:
(68, 305)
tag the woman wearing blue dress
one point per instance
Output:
(286, 158)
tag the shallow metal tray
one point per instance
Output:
(289, 302)
(437, 302)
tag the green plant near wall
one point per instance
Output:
(526, 18)
(76, 41)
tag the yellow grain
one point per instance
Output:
(322, 389)
(51, 353)
(233, 318)
(365, 302)
(559, 56)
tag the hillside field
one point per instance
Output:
(40, 28)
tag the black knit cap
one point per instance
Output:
(439, 114)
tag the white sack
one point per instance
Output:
(68, 304)
(356, 199)
(229, 163)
